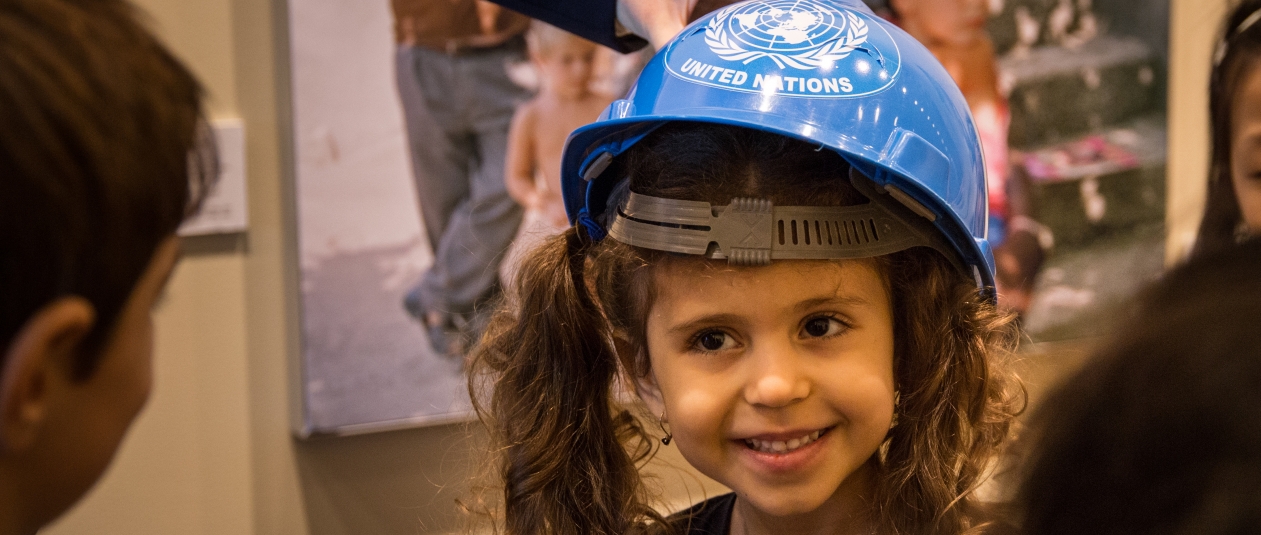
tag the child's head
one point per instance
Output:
(959, 22)
(736, 354)
(98, 148)
(1233, 207)
(781, 250)
(563, 59)
(1160, 433)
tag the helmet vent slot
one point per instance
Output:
(831, 233)
(815, 232)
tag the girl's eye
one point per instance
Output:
(823, 327)
(713, 341)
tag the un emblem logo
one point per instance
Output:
(797, 48)
(792, 33)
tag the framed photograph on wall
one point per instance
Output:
(366, 364)
(401, 113)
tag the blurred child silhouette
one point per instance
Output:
(103, 152)
(954, 30)
(536, 139)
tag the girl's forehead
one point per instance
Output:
(682, 268)
(692, 275)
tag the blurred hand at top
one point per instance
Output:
(658, 21)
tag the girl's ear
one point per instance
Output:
(647, 389)
(646, 386)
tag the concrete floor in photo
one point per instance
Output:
(367, 363)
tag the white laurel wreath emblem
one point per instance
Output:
(716, 36)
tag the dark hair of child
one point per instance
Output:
(569, 448)
(1237, 53)
(103, 152)
(1161, 432)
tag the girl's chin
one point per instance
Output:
(787, 503)
(783, 508)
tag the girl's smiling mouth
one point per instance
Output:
(781, 445)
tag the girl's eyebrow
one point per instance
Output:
(802, 306)
(708, 319)
(836, 300)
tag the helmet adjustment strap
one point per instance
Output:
(755, 232)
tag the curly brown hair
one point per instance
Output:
(545, 378)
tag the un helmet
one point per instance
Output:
(827, 72)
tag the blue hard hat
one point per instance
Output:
(829, 72)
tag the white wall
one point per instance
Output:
(1193, 32)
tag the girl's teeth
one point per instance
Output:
(780, 446)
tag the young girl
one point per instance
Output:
(1233, 209)
(779, 248)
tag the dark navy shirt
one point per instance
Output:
(710, 517)
(713, 517)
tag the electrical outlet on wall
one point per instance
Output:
(225, 210)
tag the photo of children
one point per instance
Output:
(410, 189)
(565, 101)
(390, 180)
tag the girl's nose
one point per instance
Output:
(776, 378)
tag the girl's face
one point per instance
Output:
(776, 381)
(1245, 147)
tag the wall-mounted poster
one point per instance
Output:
(407, 226)
(366, 364)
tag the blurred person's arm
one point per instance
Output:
(487, 16)
(623, 25)
(519, 164)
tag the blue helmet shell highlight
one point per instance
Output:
(827, 72)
